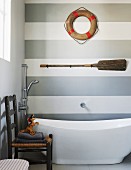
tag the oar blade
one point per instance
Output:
(115, 65)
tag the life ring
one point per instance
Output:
(78, 13)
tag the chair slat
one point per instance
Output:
(32, 150)
(12, 112)
(13, 125)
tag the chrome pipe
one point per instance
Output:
(25, 89)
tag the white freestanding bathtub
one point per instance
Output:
(88, 142)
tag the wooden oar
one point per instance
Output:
(116, 65)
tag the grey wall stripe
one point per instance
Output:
(72, 50)
(59, 12)
(81, 86)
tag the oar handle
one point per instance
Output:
(90, 65)
(67, 65)
(43, 65)
(60, 65)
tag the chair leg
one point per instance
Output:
(16, 153)
(9, 152)
(49, 157)
(51, 136)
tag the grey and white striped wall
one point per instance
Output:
(61, 90)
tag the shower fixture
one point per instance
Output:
(25, 89)
(30, 84)
(83, 105)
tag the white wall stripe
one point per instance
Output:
(56, 31)
(71, 104)
(35, 70)
(77, 1)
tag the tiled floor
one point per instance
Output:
(125, 165)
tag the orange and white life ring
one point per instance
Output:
(78, 13)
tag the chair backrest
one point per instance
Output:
(11, 115)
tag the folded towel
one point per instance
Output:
(37, 136)
(19, 140)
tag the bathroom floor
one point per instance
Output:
(125, 165)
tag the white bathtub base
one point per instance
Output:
(92, 162)
(88, 142)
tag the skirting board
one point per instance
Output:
(71, 104)
(35, 70)
(56, 31)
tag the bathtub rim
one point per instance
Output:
(85, 125)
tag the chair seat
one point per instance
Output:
(14, 164)
(29, 145)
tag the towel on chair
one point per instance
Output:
(27, 136)
(20, 140)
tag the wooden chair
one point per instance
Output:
(24, 147)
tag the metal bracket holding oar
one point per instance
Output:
(114, 65)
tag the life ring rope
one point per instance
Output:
(71, 18)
